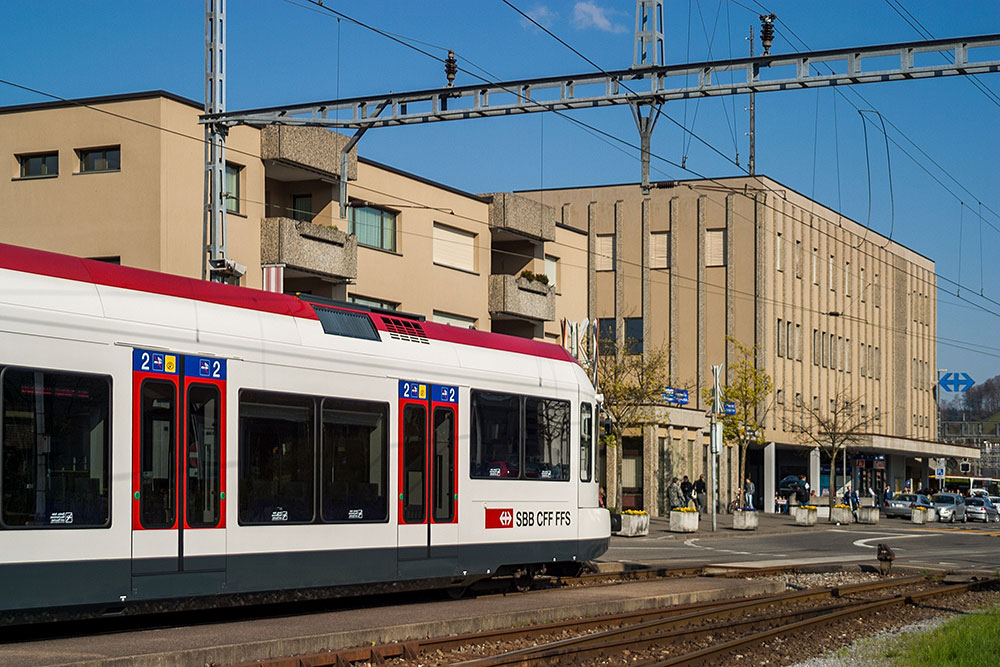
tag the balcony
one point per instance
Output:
(293, 153)
(305, 246)
(521, 218)
(513, 297)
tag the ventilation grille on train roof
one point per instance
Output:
(346, 323)
(405, 330)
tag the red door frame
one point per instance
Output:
(429, 397)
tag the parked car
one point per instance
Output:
(950, 507)
(981, 509)
(902, 504)
(995, 500)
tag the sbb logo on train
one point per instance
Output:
(508, 518)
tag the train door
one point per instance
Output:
(427, 531)
(178, 469)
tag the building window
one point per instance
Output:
(847, 279)
(847, 355)
(233, 193)
(715, 247)
(779, 249)
(780, 343)
(302, 208)
(606, 335)
(374, 227)
(798, 259)
(861, 284)
(876, 293)
(816, 347)
(101, 159)
(633, 334)
(605, 253)
(39, 165)
(460, 321)
(373, 303)
(552, 270)
(878, 364)
(455, 248)
(659, 250)
(798, 342)
(815, 266)
(831, 277)
(780, 397)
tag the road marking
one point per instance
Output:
(864, 543)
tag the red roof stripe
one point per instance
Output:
(67, 267)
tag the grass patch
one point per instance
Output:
(970, 640)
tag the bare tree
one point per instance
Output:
(632, 385)
(832, 430)
(749, 390)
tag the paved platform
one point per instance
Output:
(244, 641)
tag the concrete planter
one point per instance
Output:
(745, 520)
(928, 515)
(806, 517)
(634, 525)
(868, 515)
(841, 515)
(683, 522)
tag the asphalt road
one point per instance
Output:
(937, 547)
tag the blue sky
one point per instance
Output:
(289, 51)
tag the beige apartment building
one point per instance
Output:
(833, 309)
(121, 178)
(829, 305)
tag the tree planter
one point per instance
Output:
(745, 520)
(868, 515)
(683, 522)
(921, 515)
(634, 525)
(806, 516)
(841, 515)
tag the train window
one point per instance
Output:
(546, 439)
(444, 464)
(55, 449)
(158, 454)
(355, 467)
(204, 471)
(414, 456)
(276, 458)
(586, 441)
(495, 440)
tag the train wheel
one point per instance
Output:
(523, 579)
(456, 592)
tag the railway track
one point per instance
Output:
(697, 633)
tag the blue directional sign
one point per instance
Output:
(956, 382)
(678, 396)
(729, 408)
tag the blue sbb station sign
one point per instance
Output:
(956, 382)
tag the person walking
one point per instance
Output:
(674, 495)
(701, 494)
(748, 493)
(686, 490)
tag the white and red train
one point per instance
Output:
(163, 437)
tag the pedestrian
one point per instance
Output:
(748, 493)
(851, 500)
(701, 494)
(674, 496)
(686, 490)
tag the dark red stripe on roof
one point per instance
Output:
(68, 267)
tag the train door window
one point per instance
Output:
(355, 445)
(586, 441)
(204, 470)
(158, 454)
(276, 458)
(444, 465)
(414, 463)
(55, 449)
(495, 438)
(546, 439)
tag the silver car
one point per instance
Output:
(902, 504)
(981, 509)
(950, 507)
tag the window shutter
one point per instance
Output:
(715, 247)
(605, 250)
(454, 247)
(659, 250)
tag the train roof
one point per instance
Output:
(68, 267)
